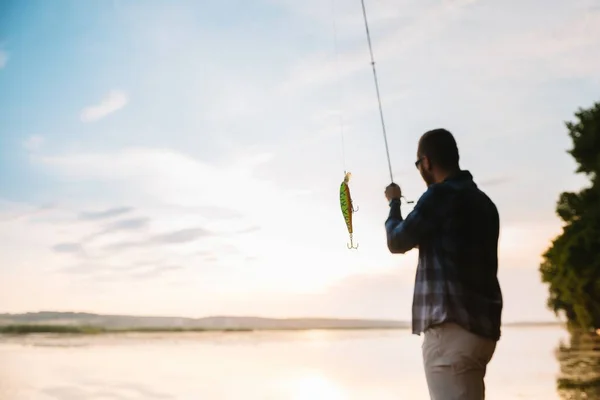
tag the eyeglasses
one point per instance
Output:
(418, 162)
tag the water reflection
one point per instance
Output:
(579, 367)
(329, 365)
(314, 386)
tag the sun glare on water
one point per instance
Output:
(314, 386)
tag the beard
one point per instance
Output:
(427, 177)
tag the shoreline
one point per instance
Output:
(28, 329)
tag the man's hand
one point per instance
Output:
(393, 192)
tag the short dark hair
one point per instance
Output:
(440, 147)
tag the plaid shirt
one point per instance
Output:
(456, 228)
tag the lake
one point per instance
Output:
(357, 365)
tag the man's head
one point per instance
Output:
(437, 155)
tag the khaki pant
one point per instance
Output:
(455, 362)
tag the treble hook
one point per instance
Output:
(354, 209)
(351, 244)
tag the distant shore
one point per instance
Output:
(92, 330)
(53, 322)
(25, 329)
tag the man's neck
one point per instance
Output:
(443, 175)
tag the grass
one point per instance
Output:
(579, 384)
(580, 365)
(27, 329)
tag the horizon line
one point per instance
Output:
(556, 321)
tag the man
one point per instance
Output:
(457, 301)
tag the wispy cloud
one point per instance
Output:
(322, 69)
(170, 238)
(70, 248)
(127, 224)
(34, 142)
(15, 211)
(112, 212)
(131, 224)
(180, 236)
(114, 101)
(171, 177)
(557, 49)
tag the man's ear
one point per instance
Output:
(426, 163)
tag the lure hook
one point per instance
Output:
(351, 244)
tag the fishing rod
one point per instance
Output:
(387, 150)
(346, 203)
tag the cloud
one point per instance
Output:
(185, 210)
(70, 248)
(181, 236)
(563, 47)
(156, 271)
(15, 211)
(171, 187)
(128, 224)
(34, 142)
(131, 224)
(3, 58)
(114, 101)
(388, 43)
(538, 48)
(112, 212)
(164, 176)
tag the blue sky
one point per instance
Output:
(184, 157)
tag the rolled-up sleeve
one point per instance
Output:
(405, 234)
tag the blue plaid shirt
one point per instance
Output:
(456, 227)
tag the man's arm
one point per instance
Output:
(405, 234)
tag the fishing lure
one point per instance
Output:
(347, 207)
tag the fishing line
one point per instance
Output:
(346, 203)
(340, 95)
(387, 151)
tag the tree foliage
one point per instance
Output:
(571, 265)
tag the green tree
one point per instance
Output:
(571, 266)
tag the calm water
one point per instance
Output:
(357, 365)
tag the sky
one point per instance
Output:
(184, 157)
